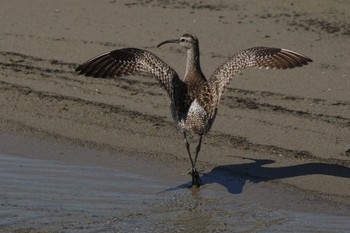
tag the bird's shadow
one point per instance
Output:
(233, 177)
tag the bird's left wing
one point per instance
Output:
(131, 61)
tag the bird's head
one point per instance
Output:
(187, 41)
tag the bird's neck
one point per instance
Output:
(193, 67)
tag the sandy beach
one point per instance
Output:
(277, 151)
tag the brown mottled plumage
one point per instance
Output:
(194, 100)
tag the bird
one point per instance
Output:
(194, 99)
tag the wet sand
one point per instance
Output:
(280, 134)
(65, 194)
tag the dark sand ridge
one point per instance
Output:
(288, 128)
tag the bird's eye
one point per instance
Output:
(182, 40)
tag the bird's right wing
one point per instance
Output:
(130, 61)
(261, 57)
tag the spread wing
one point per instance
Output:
(132, 61)
(261, 57)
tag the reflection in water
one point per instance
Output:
(49, 196)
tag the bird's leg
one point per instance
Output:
(196, 181)
(198, 148)
(188, 148)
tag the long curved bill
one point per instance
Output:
(168, 41)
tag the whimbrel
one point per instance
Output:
(195, 99)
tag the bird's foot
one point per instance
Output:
(196, 180)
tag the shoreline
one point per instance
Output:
(233, 178)
(76, 183)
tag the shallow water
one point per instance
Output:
(49, 196)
